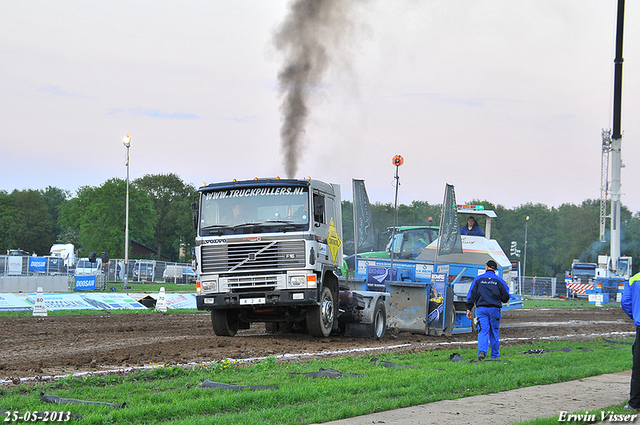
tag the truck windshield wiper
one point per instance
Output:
(278, 221)
(249, 224)
(214, 226)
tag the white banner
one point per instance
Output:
(10, 302)
(15, 265)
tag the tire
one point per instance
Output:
(271, 327)
(379, 326)
(320, 317)
(278, 327)
(224, 322)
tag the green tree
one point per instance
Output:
(7, 222)
(97, 215)
(29, 224)
(53, 198)
(171, 199)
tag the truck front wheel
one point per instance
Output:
(225, 322)
(320, 317)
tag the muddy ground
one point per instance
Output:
(47, 346)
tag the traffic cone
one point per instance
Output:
(39, 308)
(161, 303)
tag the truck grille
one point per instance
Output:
(264, 256)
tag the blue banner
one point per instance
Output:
(85, 283)
(37, 264)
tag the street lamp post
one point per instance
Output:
(127, 142)
(397, 160)
(524, 271)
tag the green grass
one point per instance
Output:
(561, 303)
(172, 395)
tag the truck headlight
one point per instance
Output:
(209, 286)
(297, 281)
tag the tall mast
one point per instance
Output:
(616, 142)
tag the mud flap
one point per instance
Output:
(449, 312)
(359, 330)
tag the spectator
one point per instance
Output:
(630, 304)
(488, 291)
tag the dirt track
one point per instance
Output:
(44, 346)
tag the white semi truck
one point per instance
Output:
(269, 250)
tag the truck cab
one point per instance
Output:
(268, 250)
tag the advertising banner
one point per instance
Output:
(436, 300)
(450, 240)
(61, 302)
(362, 218)
(89, 301)
(106, 301)
(181, 300)
(85, 283)
(10, 302)
(37, 264)
(15, 265)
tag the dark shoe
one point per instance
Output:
(481, 355)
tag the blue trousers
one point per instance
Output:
(489, 318)
(634, 394)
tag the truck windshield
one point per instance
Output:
(409, 243)
(583, 270)
(239, 209)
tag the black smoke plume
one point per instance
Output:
(309, 38)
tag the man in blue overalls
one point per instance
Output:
(488, 291)
(630, 304)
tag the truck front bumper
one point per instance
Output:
(257, 300)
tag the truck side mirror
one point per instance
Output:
(194, 210)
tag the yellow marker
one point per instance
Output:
(333, 240)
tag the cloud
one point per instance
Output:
(154, 113)
(244, 119)
(57, 91)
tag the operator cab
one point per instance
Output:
(478, 210)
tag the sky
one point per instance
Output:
(505, 100)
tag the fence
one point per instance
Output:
(114, 271)
(540, 286)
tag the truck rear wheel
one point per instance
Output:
(225, 322)
(320, 317)
(379, 319)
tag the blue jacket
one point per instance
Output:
(630, 302)
(488, 290)
(475, 231)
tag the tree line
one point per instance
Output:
(160, 218)
(94, 219)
